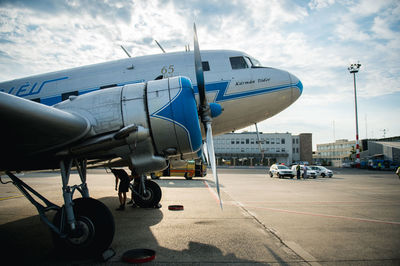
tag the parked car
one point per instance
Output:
(346, 164)
(280, 171)
(321, 171)
(310, 172)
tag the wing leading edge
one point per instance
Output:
(29, 129)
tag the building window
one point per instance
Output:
(272, 141)
(294, 150)
(267, 141)
(232, 142)
(297, 141)
(278, 141)
(247, 141)
(278, 150)
(283, 150)
(283, 141)
(297, 150)
(294, 141)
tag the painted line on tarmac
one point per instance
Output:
(13, 197)
(293, 246)
(213, 193)
(323, 202)
(328, 215)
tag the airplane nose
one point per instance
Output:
(295, 81)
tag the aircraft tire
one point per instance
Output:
(97, 223)
(153, 196)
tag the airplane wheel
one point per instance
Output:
(95, 232)
(152, 197)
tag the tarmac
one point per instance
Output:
(352, 218)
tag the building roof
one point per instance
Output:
(394, 144)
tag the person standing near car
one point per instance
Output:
(298, 171)
(305, 172)
(398, 171)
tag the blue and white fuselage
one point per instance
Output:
(247, 92)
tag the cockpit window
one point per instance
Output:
(255, 62)
(238, 62)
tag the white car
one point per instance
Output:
(310, 172)
(321, 171)
(280, 171)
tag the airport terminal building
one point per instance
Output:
(335, 153)
(343, 151)
(237, 149)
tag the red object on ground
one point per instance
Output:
(175, 207)
(139, 255)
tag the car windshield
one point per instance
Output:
(282, 167)
(322, 168)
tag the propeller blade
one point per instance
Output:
(211, 155)
(205, 110)
(199, 70)
(205, 153)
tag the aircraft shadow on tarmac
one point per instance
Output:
(29, 241)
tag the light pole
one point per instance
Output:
(353, 70)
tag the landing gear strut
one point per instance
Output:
(83, 227)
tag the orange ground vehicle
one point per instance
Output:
(193, 168)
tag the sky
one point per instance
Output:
(315, 40)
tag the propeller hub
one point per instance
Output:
(216, 109)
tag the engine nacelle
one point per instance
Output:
(173, 116)
(164, 111)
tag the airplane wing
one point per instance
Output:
(30, 129)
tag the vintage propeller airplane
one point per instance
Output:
(142, 110)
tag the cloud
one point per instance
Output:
(319, 4)
(315, 40)
(369, 7)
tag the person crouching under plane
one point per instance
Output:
(122, 176)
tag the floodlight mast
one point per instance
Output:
(353, 70)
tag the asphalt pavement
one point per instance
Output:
(350, 219)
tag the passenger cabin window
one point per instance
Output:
(108, 86)
(238, 62)
(65, 96)
(206, 66)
